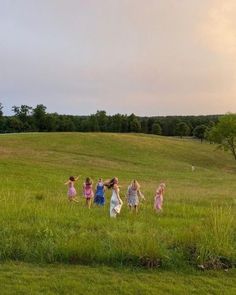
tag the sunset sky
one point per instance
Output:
(150, 57)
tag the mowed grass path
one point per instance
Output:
(38, 225)
(23, 278)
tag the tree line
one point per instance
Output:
(36, 119)
(215, 128)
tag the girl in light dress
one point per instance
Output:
(133, 195)
(158, 199)
(88, 191)
(71, 193)
(99, 194)
(116, 202)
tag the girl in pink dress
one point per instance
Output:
(88, 191)
(158, 199)
(71, 193)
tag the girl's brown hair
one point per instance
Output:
(111, 182)
(88, 180)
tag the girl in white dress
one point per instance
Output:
(116, 202)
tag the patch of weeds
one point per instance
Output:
(150, 262)
(40, 196)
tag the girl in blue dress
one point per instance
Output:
(99, 194)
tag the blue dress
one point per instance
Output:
(99, 195)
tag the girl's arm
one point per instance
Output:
(158, 191)
(127, 194)
(66, 183)
(117, 193)
(76, 178)
(141, 195)
(92, 192)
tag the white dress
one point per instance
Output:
(115, 204)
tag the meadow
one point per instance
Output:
(73, 249)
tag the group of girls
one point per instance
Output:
(133, 196)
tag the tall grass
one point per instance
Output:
(217, 238)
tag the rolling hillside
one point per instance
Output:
(39, 227)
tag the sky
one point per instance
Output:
(148, 57)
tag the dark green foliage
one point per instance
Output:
(93, 123)
(51, 122)
(224, 133)
(182, 129)
(200, 131)
(23, 112)
(27, 118)
(134, 123)
(40, 117)
(65, 123)
(156, 129)
(144, 125)
(101, 121)
(15, 124)
(116, 123)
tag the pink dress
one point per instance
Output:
(71, 191)
(158, 200)
(88, 191)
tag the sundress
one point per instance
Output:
(132, 195)
(71, 191)
(99, 195)
(88, 191)
(115, 204)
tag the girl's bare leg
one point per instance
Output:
(75, 200)
(136, 209)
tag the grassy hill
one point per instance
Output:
(39, 226)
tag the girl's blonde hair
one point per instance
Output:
(135, 184)
(162, 185)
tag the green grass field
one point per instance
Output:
(51, 246)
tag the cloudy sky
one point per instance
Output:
(150, 57)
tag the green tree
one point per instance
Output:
(200, 131)
(15, 124)
(39, 116)
(93, 123)
(124, 123)
(65, 123)
(156, 128)
(23, 113)
(224, 133)
(51, 121)
(134, 123)
(182, 129)
(144, 125)
(101, 121)
(150, 122)
(116, 123)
